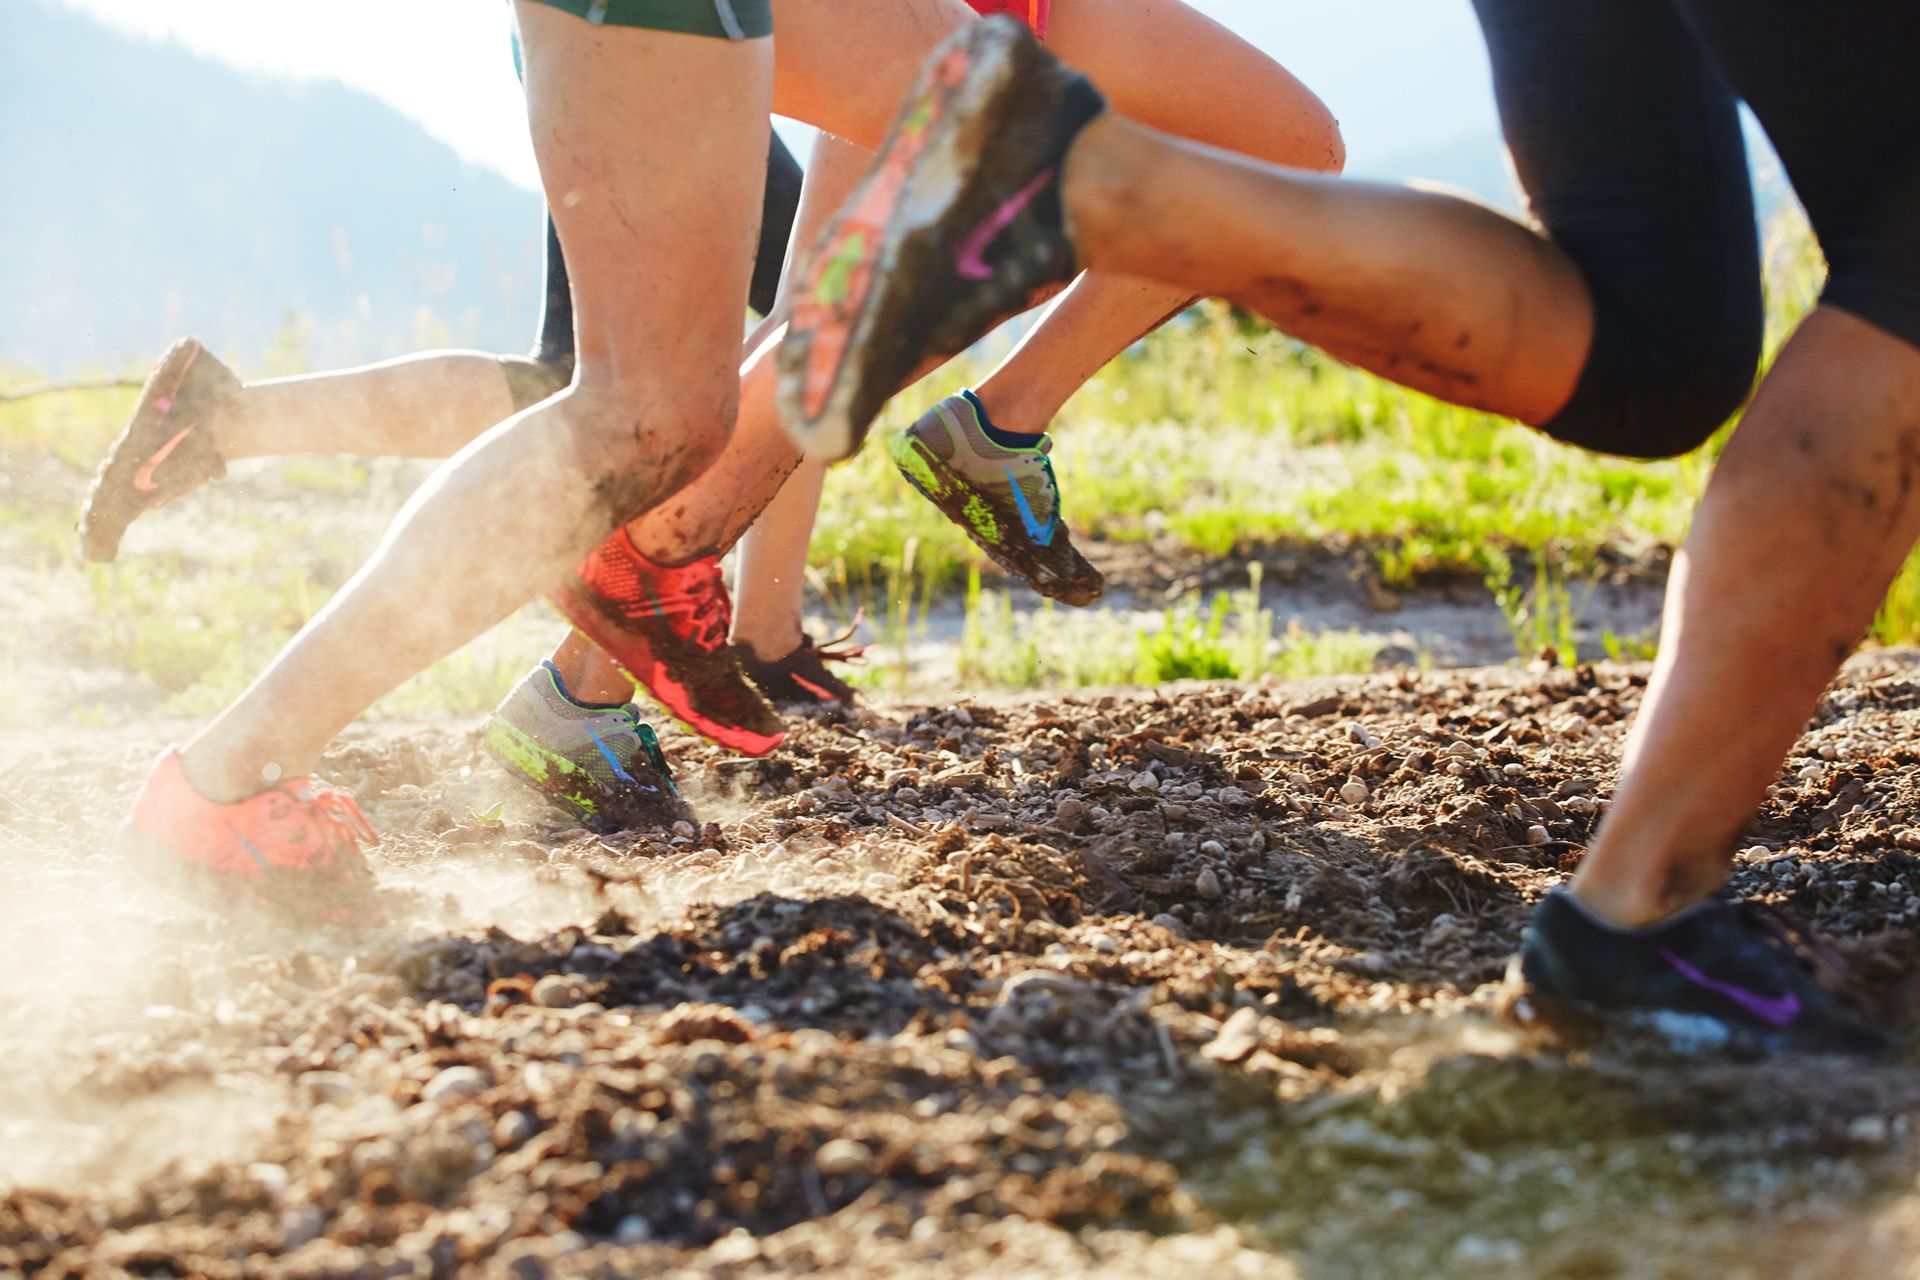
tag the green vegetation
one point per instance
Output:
(1217, 439)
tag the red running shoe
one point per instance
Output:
(668, 629)
(293, 848)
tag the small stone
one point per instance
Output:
(513, 1129)
(1213, 848)
(1238, 1037)
(1171, 924)
(1537, 834)
(1514, 770)
(1812, 773)
(1354, 791)
(1070, 809)
(1870, 1131)
(555, 992)
(1300, 780)
(1207, 884)
(1828, 751)
(843, 1157)
(1144, 781)
(1103, 943)
(329, 1086)
(455, 1082)
(633, 1229)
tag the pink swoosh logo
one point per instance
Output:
(143, 478)
(970, 259)
(1776, 1011)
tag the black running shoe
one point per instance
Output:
(802, 678)
(957, 226)
(1716, 974)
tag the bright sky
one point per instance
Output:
(1398, 73)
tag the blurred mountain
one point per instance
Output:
(150, 192)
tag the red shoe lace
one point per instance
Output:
(337, 814)
(697, 593)
(847, 652)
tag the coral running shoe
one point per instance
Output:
(1715, 974)
(668, 629)
(802, 677)
(1005, 499)
(293, 848)
(166, 449)
(957, 226)
(601, 762)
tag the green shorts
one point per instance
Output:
(724, 19)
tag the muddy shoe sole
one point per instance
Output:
(165, 451)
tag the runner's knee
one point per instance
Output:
(1675, 349)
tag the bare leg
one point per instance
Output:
(1806, 521)
(1433, 291)
(422, 406)
(650, 147)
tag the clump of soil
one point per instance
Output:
(1133, 984)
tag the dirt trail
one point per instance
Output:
(1186, 982)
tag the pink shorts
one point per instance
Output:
(1032, 12)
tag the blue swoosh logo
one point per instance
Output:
(1040, 533)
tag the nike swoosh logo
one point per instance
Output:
(1040, 533)
(1775, 1011)
(970, 259)
(143, 478)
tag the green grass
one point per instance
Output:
(1217, 438)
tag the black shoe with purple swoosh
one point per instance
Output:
(1716, 974)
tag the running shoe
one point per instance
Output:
(293, 848)
(602, 762)
(668, 629)
(802, 678)
(957, 226)
(1715, 974)
(166, 449)
(1006, 499)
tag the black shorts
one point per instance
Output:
(1623, 122)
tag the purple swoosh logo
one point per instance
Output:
(970, 259)
(1776, 1011)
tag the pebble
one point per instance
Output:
(1537, 834)
(455, 1082)
(1812, 773)
(1213, 848)
(1300, 780)
(512, 1129)
(1238, 1037)
(1070, 809)
(555, 992)
(842, 1157)
(1103, 943)
(1354, 791)
(1144, 781)
(1171, 924)
(1514, 770)
(1207, 884)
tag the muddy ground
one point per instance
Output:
(1190, 982)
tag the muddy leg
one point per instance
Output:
(1806, 521)
(651, 149)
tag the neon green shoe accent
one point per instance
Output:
(981, 517)
(910, 457)
(514, 745)
(836, 277)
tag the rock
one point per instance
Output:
(1207, 884)
(1144, 781)
(1514, 770)
(1354, 791)
(555, 992)
(1171, 924)
(1213, 849)
(456, 1082)
(1069, 810)
(843, 1157)
(513, 1129)
(1300, 780)
(1537, 834)
(329, 1086)
(1238, 1037)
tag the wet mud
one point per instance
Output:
(1195, 981)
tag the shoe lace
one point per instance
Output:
(841, 648)
(702, 598)
(339, 816)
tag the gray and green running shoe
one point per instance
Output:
(1005, 499)
(602, 763)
